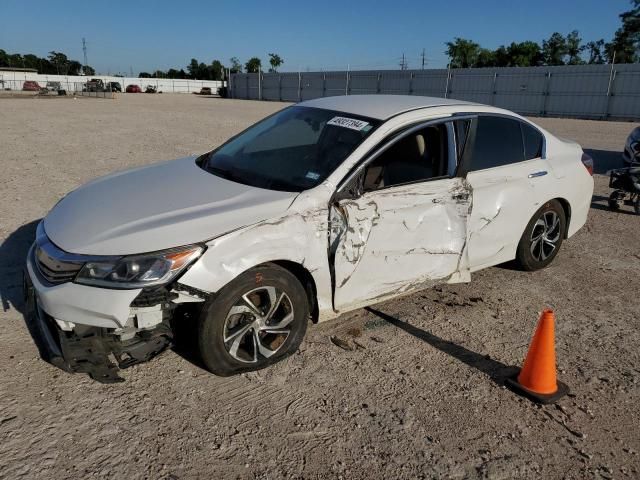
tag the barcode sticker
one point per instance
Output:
(351, 123)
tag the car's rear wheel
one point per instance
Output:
(256, 320)
(543, 237)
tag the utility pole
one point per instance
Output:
(423, 59)
(84, 50)
(403, 63)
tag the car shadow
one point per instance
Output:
(13, 253)
(498, 372)
(598, 202)
(604, 160)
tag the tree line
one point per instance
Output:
(55, 63)
(558, 49)
(216, 70)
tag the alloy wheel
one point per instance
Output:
(258, 324)
(545, 236)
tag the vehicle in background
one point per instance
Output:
(31, 86)
(113, 87)
(631, 153)
(205, 91)
(94, 85)
(324, 207)
(53, 86)
(151, 89)
(133, 89)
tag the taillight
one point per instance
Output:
(587, 161)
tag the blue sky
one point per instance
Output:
(146, 35)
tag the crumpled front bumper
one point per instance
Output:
(91, 346)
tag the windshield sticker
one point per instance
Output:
(351, 123)
(312, 175)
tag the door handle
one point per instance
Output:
(541, 173)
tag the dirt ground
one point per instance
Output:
(421, 397)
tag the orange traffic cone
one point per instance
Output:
(537, 379)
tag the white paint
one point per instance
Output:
(387, 243)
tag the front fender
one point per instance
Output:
(299, 237)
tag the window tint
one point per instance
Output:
(498, 142)
(418, 156)
(532, 142)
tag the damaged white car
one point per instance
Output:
(324, 207)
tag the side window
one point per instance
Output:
(421, 155)
(498, 142)
(532, 142)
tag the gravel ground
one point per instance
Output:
(422, 394)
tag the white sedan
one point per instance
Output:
(324, 207)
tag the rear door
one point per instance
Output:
(400, 223)
(510, 179)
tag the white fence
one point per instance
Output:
(15, 81)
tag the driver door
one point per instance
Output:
(400, 222)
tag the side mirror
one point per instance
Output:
(351, 190)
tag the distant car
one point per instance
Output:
(324, 207)
(631, 154)
(113, 87)
(133, 89)
(53, 86)
(31, 86)
(95, 85)
(151, 89)
(205, 91)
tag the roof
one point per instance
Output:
(380, 107)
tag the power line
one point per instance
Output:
(403, 63)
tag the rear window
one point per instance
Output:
(532, 142)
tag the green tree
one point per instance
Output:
(275, 61)
(144, 75)
(236, 66)
(217, 70)
(486, 58)
(75, 67)
(462, 53)
(626, 41)
(524, 54)
(554, 49)
(574, 49)
(193, 68)
(596, 51)
(88, 70)
(253, 65)
(60, 61)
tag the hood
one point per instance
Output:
(155, 207)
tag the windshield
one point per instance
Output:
(293, 150)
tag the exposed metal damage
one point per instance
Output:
(100, 352)
(373, 238)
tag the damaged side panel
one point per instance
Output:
(399, 240)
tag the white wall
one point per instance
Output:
(14, 80)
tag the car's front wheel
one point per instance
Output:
(543, 237)
(254, 321)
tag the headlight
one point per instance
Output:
(138, 271)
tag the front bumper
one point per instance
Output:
(95, 344)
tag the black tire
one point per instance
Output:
(217, 321)
(541, 240)
(614, 201)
